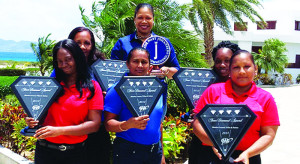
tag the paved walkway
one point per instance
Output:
(285, 148)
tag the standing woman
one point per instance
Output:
(98, 143)
(221, 55)
(143, 20)
(240, 89)
(138, 139)
(75, 113)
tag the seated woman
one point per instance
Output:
(139, 139)
(240, 89)
(75, 113)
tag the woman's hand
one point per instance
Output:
(31, 122)
(136, 122)
(47, 131)
(243, 158)
(217, 153)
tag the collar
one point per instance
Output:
(64, 85)
(133, 35)
(250, 93)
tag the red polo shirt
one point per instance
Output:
(71, 110)
(258, 100)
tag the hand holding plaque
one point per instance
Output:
(159, 50)
(226, 125)
(36, 94)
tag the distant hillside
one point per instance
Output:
(13, 46)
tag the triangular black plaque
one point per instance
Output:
(36, 94)
(108, 72)
(192, 82)
(140, 93)
(226, 125)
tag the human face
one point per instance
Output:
(222, 60)
(138, 64)
(66, 62)
(83, 39)
(242, 71)
(144, 21)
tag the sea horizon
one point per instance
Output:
(18, 56)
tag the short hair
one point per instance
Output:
(90, 58)
(137, 49)
(83, 78)
(238, 52)
(225, 44)
(141, 5)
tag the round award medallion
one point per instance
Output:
(159, 49)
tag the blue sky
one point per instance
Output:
(28, 20)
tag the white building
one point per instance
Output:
(283, 23)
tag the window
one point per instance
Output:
(256, 48)
(240, 26)
(270, 25)
(297, 25)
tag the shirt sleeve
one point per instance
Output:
(118, 53)
(113, 102)
(172, 61)
(96, 103)
(270, 116)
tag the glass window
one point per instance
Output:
(240, 26)
(270, 25)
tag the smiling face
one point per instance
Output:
(144, 21)
(138, 64)
(83, 39)
(242, 70)
(66, 62)
(222, 60)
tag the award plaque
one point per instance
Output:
(226, 124)
(36, 94)
(108, 72)
(159, 49)
(140, 93)
(192, 82)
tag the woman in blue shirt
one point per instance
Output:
(139, 139)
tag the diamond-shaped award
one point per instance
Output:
(140, 93)
(226, 124)
(192, 82)
(36, 94)
(108, 72)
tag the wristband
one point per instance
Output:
(121, 128)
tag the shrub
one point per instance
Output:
(298, 79)
(264, 79)
(5, 82)
(287, 79)
(11, 122)
(12, 72)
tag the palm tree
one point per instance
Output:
(271, 56)
(209, 13)
(113, 19)
(43, 52)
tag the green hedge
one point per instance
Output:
(12, 72)
(5, 82)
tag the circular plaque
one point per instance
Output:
(159, 49)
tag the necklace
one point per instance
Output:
(142, 37)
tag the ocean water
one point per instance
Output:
(18, 56)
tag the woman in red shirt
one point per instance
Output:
(240, 89)
(75, 113)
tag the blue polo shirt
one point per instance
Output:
(114, 104)
(125, 44)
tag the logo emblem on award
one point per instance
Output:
(36, 94)
(192, 82)
(140, 93)
(108, 72)
(159, 49)
(226, 125)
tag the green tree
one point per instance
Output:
(271, 57)
(43, 52)
(208, 13)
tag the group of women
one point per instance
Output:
(73, 131)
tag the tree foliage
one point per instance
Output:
(272, 56)
(208, 13)
(43, 52)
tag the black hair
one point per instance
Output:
(135, 49)
(94, 53)
(238, 52)
(225, 44)
(83, 78)
(141, 5)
